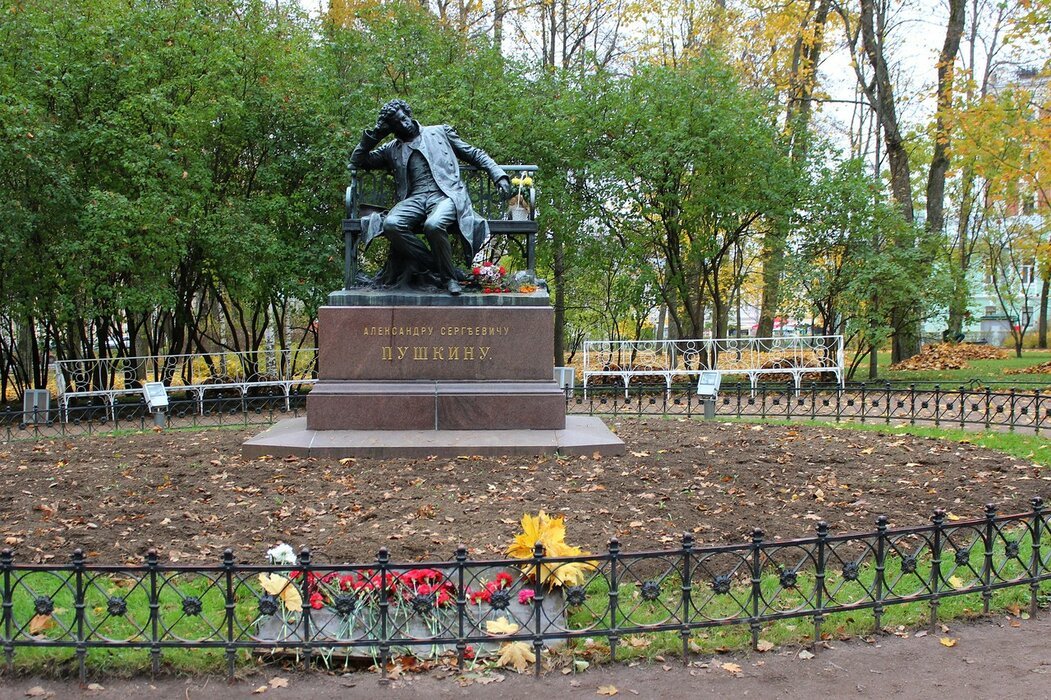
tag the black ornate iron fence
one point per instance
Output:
(466, 608)
(961, 407)
(97, 419)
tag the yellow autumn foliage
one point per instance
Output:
(551, 533)
(278, 585)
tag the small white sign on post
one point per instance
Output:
(708, 384)
(566, 377)
(156, 396)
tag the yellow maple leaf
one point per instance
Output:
(947, 642)
(500, 626)
(551, 533)
(517, 655)
(956, 582)
(607, 690)
(541, 529)
(278, 585)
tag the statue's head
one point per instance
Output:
(398, 114)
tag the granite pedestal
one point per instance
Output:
(410, 373)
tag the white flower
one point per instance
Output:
(282, 554)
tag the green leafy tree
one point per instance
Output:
(687, 168)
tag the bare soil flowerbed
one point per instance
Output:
(191, 494)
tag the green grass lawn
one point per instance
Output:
(1034, 448)
(984, 371)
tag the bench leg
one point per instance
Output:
(350, 261)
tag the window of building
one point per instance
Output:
(1028, 272)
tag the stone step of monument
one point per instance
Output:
(583, 435)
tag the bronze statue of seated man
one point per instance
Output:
(432, 199)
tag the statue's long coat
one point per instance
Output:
(442, 147)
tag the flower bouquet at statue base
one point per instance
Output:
(493, 278)
(419, 606)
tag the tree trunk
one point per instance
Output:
(880, 93)
(958, 303)
(881, 97)
(960, 298)
(806, 55)
(940, 159)
(773, 269)
(499, 10)
(559, 270)
(1041, 331)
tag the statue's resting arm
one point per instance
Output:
(475, 156)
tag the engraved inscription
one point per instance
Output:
(438, 353)
(441, 353)
(415, 331)
(423, 331)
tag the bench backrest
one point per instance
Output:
(375, 189)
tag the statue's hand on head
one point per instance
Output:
(382, 128)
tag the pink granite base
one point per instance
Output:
(430, 405)
(399, 343)
(582, 435)
(448, 380)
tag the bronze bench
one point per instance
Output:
(373, 190)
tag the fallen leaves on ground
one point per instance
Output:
(731, 668)
(947, 642)
(943, 356)
(764, 645)
(41, 623)
(607, 690)
(717, 481)
(517, 655)
(1042, 368)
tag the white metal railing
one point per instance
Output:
(684, 360)
(198, 373)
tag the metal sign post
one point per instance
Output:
(708, 390)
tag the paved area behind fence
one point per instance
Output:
(994, 658)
